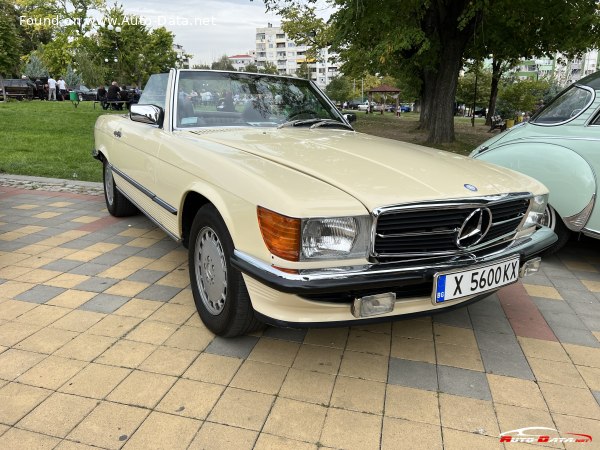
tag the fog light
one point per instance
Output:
(372, 305)
(529, 267)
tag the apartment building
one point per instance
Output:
(183, 60)
(560, 68)
(239, 62)
(273, 46)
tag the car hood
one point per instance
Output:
(376, 171)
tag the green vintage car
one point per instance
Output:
(559, 146)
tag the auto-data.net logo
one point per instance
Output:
(533, 435)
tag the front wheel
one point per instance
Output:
(116, 203)
(219, 291)
(553, 221)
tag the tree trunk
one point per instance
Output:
(441, 78)
(496, 74)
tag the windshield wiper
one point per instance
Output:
(330, 122)
(314, 123)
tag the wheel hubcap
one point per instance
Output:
(108, 184)
(211, 271)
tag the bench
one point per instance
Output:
(110, 103)
(497, 123)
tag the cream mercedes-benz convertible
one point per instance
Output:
(294, 219)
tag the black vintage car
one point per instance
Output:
(84, 93)
(18, 88)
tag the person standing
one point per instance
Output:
(62, 87)
(51, 89)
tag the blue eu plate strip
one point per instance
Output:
(441, 289)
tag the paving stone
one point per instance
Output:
(463, 382)
(510, 364)
(494, 324)
(597, 396)
(286, 334)
(62, 265)
(40, 294)
(563, 319)
(577, 296)
(575, 336)
(96, 284)
(585, 309)
(238, 347)
(568, 283)
(457, 317)
(146, 276)
(497, 342)
(154, 252)
(89, 269)
(109, 259)
(159, 293)
(538, 279)
(104, 303)
(414, 374)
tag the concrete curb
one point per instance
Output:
(51, 184)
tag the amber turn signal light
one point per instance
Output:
(280, 233)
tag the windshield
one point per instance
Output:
(216, 99)
(566, 106)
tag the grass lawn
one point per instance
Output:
(55, 139)
(49, 139)
(405, 129)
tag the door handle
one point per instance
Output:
(117, 134)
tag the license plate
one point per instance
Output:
(453, 285)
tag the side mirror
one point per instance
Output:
(150, 114)
(350, 117)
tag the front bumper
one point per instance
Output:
(320, 297)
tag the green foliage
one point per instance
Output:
(303, 71)
(200, 66)
(517, 96)
(35, 68)
(465, 90)
(10, 41)
(72, 78)
(253, 68)
(222, 64)
(93, 73)
(269, 68)
(339, 89)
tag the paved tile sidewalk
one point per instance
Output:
(101, 346)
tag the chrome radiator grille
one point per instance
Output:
(433, 230)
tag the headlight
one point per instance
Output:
(536, 213)
(337, 237)
(307, 239)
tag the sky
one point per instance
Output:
(207, 29)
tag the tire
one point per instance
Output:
(553, 221)
(117, 204)
(219, 290)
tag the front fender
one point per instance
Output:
(567, 175)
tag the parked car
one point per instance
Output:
(19, 89)
(364, 106)
(560, 147)
(292, 218)
(84, 93)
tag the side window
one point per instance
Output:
(155, 91)
(596, 121)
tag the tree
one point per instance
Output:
(222, 64)
(72, 78)
(269, 68)
(427, 41)
(252, 67)
(10, 47)
(200, 66)
(465, 90)
(92, 71)
(303, 71)
(35, 68)
(339, 88)
(521, 96)
(515, 30)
